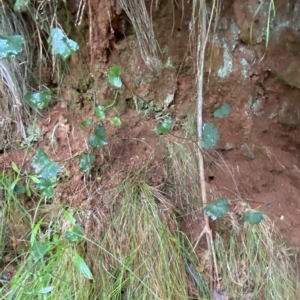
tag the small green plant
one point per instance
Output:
(164, 126)
(38, 100)
(115, 121)
(99, 137)
(86, 123)
(46, 171)
(271, 13)
(10, 45)
(86, 162)
(53, 267)
(210, 135)
(33, 135)
(74, 236)
(253, 217)
(218, 209)
(222, 111)
(15, 184)
(114, 77)
(100, 112)
(144, 108)
(61, 45)
(26, 180)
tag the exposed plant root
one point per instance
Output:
(202, 41)
(141, 20)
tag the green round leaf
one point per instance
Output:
(86, 161)
(46, 186)
(222, 111)
(116, 121)
(99, 138)
(164, 126)
(114, 76)
(43, 166)
(210, 135)
(38, 100)
(19, 189)
(10, 45)
(218, 209)
(75, 235)
(100, 112)
(253, 217)
(61, 45)
(86, 123)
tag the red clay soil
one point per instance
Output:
(257, 159)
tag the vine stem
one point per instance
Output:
(202, 41)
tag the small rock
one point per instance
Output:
(225, 146)
(295, 171)
(257, 106)
(247, 151)
(289, 114)
(229, 146)
(223, 24)
(291, 74)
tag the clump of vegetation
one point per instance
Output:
(29, 40)
(141, 256)
(138, 256)
(13, 73)
(142, 22)
(49, 264)
(255, 261)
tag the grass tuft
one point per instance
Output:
(141, 254)
(183, 179)
(13, 79)
(255, 261)
(141, 257)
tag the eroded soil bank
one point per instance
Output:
(257, 158)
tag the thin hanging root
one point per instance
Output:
(207, 230)
(91, 33)
(80, 12)
(202, 41)
(141, 20)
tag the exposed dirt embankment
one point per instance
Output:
(257, 158)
